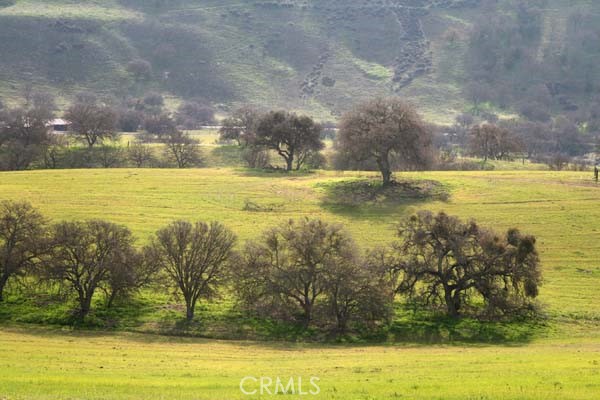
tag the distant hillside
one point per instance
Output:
(315, 56)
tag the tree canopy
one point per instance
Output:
(293, 137)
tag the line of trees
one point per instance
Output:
(306, 271)
(556, 142)
(384, 134)
(26, 140)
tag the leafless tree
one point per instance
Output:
(286, 273)
(194, 256)
(92, 122)
(140, 154)
(133, 272)
(22, 240)
(84, 255)
(357, 293)
(384, 128)
(182, 149)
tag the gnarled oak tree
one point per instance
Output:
(446, 261)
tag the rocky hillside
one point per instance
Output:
(316, 56)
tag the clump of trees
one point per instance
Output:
(490, 141)
(297, 139)
(384, 134)
(27, 140)
(306, 272)
(194, 114)
(24, 136)
(311, 272)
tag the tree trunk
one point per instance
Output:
(85, 305)
(189, 310)
(307, 314)
(452, 302)
(342, 323)
(111, 298)
(290, 163)
(386, 170)
(3, 281)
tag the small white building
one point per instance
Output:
(59, 125)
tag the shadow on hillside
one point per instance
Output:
(369, 198)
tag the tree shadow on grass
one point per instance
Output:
(368, 198)
(430, 328)
(279, 173)
(153, 323)
(411, 332)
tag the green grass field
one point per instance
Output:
(559, 360)
(43, 364)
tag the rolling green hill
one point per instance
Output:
(560, 208)
(556, 360)
(315, 56)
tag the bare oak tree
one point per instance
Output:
(22, 240)
(84, 255)
(383, 129)
(133, 271)
(287, 271)
(92, 122)
(182, 149)
(356, 292)
(194, 256)
(443, 260)
(140, 154)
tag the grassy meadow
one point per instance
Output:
(47, 364)
(559, 358)
(561, 208)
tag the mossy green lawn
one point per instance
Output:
(561, 361)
